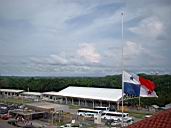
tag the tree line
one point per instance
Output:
(43, 84)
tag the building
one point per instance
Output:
(86, 96)
(154, 108)
(36, 96)
(167, 106)
(10, 92)
(41, 107)
(159, 120)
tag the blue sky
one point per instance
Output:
(83, 37)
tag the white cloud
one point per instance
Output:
(131, 49)
(89, 53)
(149, 27)
(52, 59)
(55, 59)
(54, 26)
(99, 23)
(138, 55)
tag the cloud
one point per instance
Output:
(85, 55)
(52, 59)
(148, 27)
(131, 49)
(89, 53)
(46, 37)
(55, 59)
(137, 55)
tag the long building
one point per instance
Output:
(87, 96)
(82, 96)
(36, 96)
(10, 92)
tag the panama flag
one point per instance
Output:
(138, 86)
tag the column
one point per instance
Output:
(79, 102)
(109, 103)
(101, 103)
(118, 105)
(72, 101)
(93, 103)
(66, 101)
(85, 102)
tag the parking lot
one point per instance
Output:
(4, 124)
(56, 115)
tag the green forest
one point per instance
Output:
(43, 84)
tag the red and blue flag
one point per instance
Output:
(138, 86)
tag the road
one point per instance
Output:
(4, 124)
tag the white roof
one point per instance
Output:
(155, 106)
(11, 90)
(168, 106)
(105, 94)
(32, 93)
(50, 93)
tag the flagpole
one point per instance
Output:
(122, 70)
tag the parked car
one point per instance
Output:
(3, 109)
(147, 116)
(116, 123)
(6, 116)
(29, 126)
(12, 107)
(12, 122)
(70, 126)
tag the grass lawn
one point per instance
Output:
(74, 107)
(15, 101)
(139, 115)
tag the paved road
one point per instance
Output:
(4, 124)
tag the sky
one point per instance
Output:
(83, 37)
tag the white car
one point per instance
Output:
(147, 116)
(70, 126)
(116, 123)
